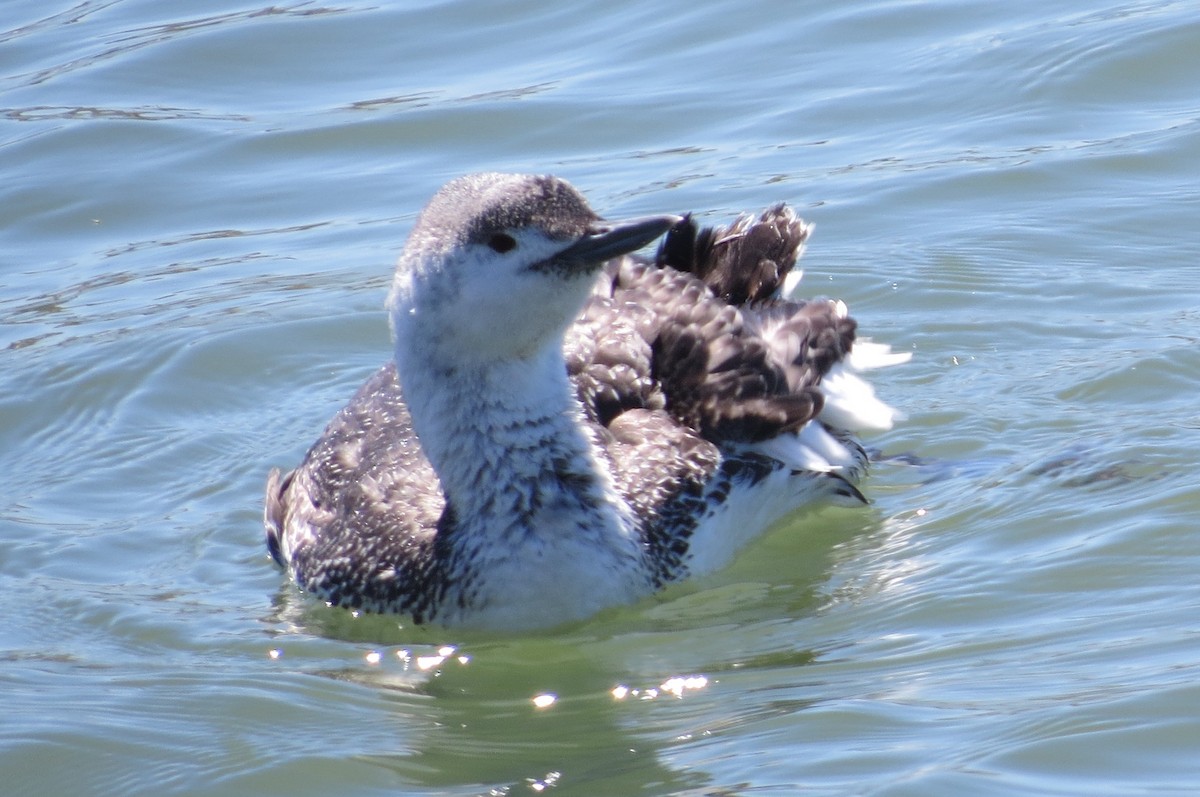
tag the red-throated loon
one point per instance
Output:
(566, 426)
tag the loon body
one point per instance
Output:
(566, 426)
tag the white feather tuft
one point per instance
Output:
(867, 354)
(812, 449)
(791, 282)
(850, 403)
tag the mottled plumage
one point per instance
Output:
(582, 425)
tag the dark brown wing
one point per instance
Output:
(364, 494)
(743, 263)
(702, 333)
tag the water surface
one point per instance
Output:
(199, 209)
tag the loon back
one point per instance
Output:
(697, 406)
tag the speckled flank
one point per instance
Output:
(521, 470)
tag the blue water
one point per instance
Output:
(200, 203)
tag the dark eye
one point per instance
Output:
(502, 243)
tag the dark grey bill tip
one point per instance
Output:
(608, 239)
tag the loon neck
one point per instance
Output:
(508, 442)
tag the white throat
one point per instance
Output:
(534, 503)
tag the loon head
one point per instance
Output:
(498, 265)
